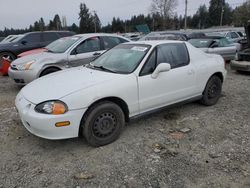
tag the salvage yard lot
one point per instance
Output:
(186, 146)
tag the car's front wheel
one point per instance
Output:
(103, 123)
(212, 91)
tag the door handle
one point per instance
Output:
(190, 72)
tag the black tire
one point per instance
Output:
(212, 91)
(103, 123)
(7, 55)
(49, 71)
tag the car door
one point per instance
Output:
(169, 87)
(30, 42)
(85, 52)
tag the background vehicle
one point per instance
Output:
(14, 46)
(128, 81)
(164, 36)
(196, 35)
(242, 59)
(217, 45)
(233, 36)
(62, 54)
(30, 52)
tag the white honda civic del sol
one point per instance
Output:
(128, 81)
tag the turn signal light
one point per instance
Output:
(62, 124)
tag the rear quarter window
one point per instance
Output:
(176, 54)
(49, 37)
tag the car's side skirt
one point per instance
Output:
(165, 107)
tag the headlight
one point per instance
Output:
(25, 66)
(52, 107)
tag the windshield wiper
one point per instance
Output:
(102, 68)
(48, 50)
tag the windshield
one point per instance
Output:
(61, 45)
(124, 58)
(200, 43)
(12, 38)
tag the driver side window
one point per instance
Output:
(149, 66)
(89, 45)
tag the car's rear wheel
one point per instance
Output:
(212, 91)
(103, 123)
(49, 71)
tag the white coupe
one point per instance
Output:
(127, 81)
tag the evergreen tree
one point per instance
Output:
(57, 22)
(215, 10)
(74, 28)
(36, 26)
(41, 24)
(85, 19)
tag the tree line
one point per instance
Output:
(161, 17)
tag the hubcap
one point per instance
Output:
(104, 125)
(213, 91)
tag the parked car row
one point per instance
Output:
(13, 45)
(62, 54)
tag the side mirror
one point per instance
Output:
(24, 42)
(162, 67)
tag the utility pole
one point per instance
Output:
(95, 20)
(153, 23)
(186, 3)
(222, 12)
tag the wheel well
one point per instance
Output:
(219, 74)
(121, 103)
(10, 53)
(53, 67)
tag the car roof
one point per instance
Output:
(209, 37)
(96, 34)
(48, 32)
(155, 42)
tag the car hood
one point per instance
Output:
(30, 52)
(40, 58)
(63, 83)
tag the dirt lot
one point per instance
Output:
(213, 151)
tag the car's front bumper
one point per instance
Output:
(43, 125)
(22, 77)
(240, 65)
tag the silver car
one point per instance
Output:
(62, 54)
(217, 45)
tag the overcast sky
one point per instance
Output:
(22, 13)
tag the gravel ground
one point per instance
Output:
(186, 146)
